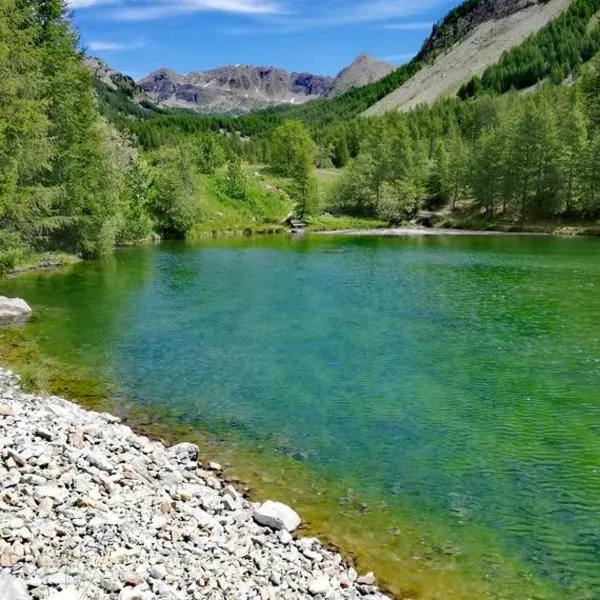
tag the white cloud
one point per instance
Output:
(103, 46)
(76, 4)
(152, 10)
(300, 15)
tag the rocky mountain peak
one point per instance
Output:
(363, 70)
(234, 88)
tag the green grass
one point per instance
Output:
(263, 211)
(39, 261)
(340, 223)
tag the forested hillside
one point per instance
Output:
(86, 166)
(75, 181)
(555, 53)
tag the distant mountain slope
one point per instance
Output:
(119, 93)
(492, 26)
(363, 70)
(234, 89)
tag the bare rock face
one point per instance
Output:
(460, 21)
(116, 81)
(234, 89)
(363, 70)
(13, 310)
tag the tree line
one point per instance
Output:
(72, 177)
(522, 157)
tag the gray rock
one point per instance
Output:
(277, 516)
(13, 310)
(50, 491)
(158, 572)
(185, 450)
(98, 460)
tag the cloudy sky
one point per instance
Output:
(319, 36)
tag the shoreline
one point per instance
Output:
(533, 230)
(429, 232)
(88, 500)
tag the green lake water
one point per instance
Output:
(432, 403)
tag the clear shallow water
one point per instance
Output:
(451, 382)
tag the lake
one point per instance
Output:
(430, 404)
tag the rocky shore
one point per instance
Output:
(89, 509)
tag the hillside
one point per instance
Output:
(363, 70)
(119, 93)
(236, 89)
(491, 33)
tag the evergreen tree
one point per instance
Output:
(237, 185)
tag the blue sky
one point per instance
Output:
(318, 36)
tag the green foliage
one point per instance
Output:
(209, 154)
(237, 184)
(174, 193)
(306, 194)
(291, 150)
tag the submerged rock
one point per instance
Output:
(277, 516)
(13, 310)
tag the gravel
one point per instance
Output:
(89, 509)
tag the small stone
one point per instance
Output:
(185, 494)
(285, 537)
(43, 433)
(368, 579)
(166, 507)
(5, 411)
(158, 572)
(185, 450)
(215, 466)
(45, 507)
(132, 578)
(277, 516)
(110, 418)
(17, 458)
(76, 440)
(110, 586)
(98, 460)
(158, 521)
(50, 491)
(319, 585)
(230, 504)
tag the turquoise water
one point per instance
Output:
(455, 379)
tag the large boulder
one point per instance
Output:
(277, 516)
(13, 310)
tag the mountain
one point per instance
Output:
(470, 39)
(363, 70)
(118, 93)
(233, 89)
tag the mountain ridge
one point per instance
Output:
(233, 88)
